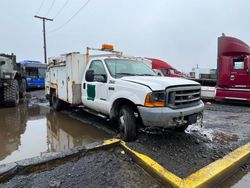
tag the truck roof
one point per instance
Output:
(232, 46)
(159, 63)
(30, 63)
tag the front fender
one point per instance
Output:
(129, 95)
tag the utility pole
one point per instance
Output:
(44, 36)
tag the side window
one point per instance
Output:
(99, 71)
(238, 65)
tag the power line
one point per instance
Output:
(41, 5)
(51, 6)
(77, 12)
(61, 9)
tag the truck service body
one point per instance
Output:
(124, 90)
(233, 69)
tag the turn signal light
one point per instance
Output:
(152, 103)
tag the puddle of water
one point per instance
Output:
(28, 131)
(238, 180)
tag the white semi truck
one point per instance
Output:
(122, 89)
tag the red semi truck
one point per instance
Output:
(165, 68)
(233, 66)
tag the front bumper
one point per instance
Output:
(166, 117)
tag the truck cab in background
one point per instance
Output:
(233, 69)
(165, 68)
(33, 73)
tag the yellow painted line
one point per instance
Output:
(153, 168)
(111, 141)
(220, 169)
(108, 142)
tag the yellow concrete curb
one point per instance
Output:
(105, 143)
(208, 176)
(153, 168)
(217, 171)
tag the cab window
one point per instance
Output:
(238, 64)
(99, 71)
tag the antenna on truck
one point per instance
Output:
(104, 48)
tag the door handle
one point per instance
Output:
(232, 77)
(84, 85)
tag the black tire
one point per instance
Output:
(57, 104)
(11, 93)
(127, 123)
(181, 128)
(23, 88)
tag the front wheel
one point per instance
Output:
(127, 123)
(11, 93)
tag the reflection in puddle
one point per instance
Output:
(65, 132)
(240, 179)
(30, 131)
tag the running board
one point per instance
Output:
(95, 113)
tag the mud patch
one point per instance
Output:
(111, 168)
(232, 117)
(223, 138)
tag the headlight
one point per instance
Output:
(155, 99)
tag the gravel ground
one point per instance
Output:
(225, 128)
(99, 169)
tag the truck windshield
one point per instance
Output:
(126, 67)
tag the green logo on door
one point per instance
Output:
(90, 92)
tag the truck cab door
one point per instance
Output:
(94, 93)
(240, 77)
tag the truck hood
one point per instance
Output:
(156, 83)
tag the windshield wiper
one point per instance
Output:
(146, 75)
(126, 74)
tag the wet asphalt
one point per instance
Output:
(109, 168)
(225, 128)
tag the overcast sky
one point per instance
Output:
(182, 32)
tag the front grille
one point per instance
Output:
(181, 97)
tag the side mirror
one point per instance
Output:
(89, 76)
(247, 63)
(2, 62)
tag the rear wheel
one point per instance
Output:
(57, 104)
(23, 88)
(11, 93)
(127, 123)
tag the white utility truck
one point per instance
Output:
(122, 89)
